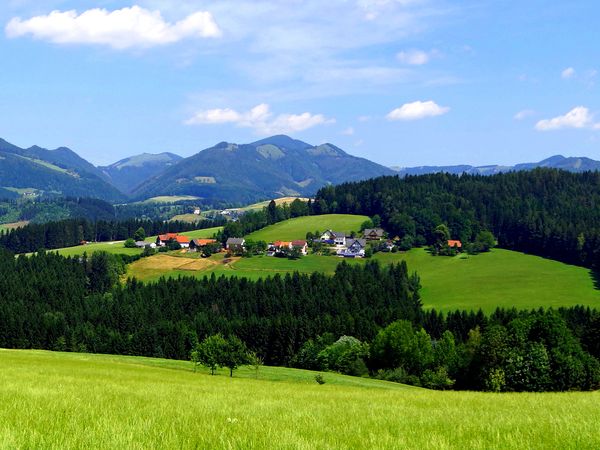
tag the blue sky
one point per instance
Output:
(401, 82)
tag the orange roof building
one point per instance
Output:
(454, 244)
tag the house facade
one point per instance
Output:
(334, 238)
(355, 248)
(164, 239)
(236, 245)
(301, 245)
(373, 234)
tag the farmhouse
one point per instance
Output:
(373, 234)
(164, 239)
(301, 245)
(198, 244)
(235, 244)
(455, 244)
(355, 248)
(334, 238)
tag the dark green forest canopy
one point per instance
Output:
(546, 212)
(77, 304)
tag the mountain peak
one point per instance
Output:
(283, 141)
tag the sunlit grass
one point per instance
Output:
(57, 400)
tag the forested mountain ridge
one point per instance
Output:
(128, 173)
(57, 172)
(273, 167)
(547, 212)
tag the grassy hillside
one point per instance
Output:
(298, 227)
(499, 278)
(119, 247)
(58, 400)
(110, 247)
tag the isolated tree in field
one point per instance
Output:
(256, 362)
(140, 234)
(210, 352)
(129, 243)
(234, 354)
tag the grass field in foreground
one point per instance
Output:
(501, 278)
(60, 400)
(298, 227)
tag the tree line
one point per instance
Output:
(71, 232)
(363, 320)
(545, 212)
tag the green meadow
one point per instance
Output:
(110, 247)
(297, 228)
(81, 401)
(500, 278)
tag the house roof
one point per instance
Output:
(373, 231)
(236, 241)
(299, 243)
(351, 242)
(456, 244)
(203, 242)
(281, 244)
(168, 237)
(182, 239)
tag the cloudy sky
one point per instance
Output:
(401, 82)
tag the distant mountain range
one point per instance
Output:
(237, 173)
(571, 164)
(130, 172)
(273, 167)
(59, 172)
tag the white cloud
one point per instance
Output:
(348, 131)
(413, 57)
(569, 72)
(260, 119)
(364, 118)
(120, 29)
(524, 114)
(579, 117)
(417, 110)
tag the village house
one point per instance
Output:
(164, 239)
(373, 234)
(301, 245)
(278, 248)
(334, 238)
(355, 248)
(236, 245)
(196, 245)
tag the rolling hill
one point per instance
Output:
(69, 400)
(60, 172)
(128, 173)
(273, 167)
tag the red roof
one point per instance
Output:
(299, 243)
(456, 244)
(203, 242)
(182, 239)
(280, 244)
(168, 236)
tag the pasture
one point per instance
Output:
(501, 278)
(297, 228)
(77, 401)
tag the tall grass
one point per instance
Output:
(54, 400)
